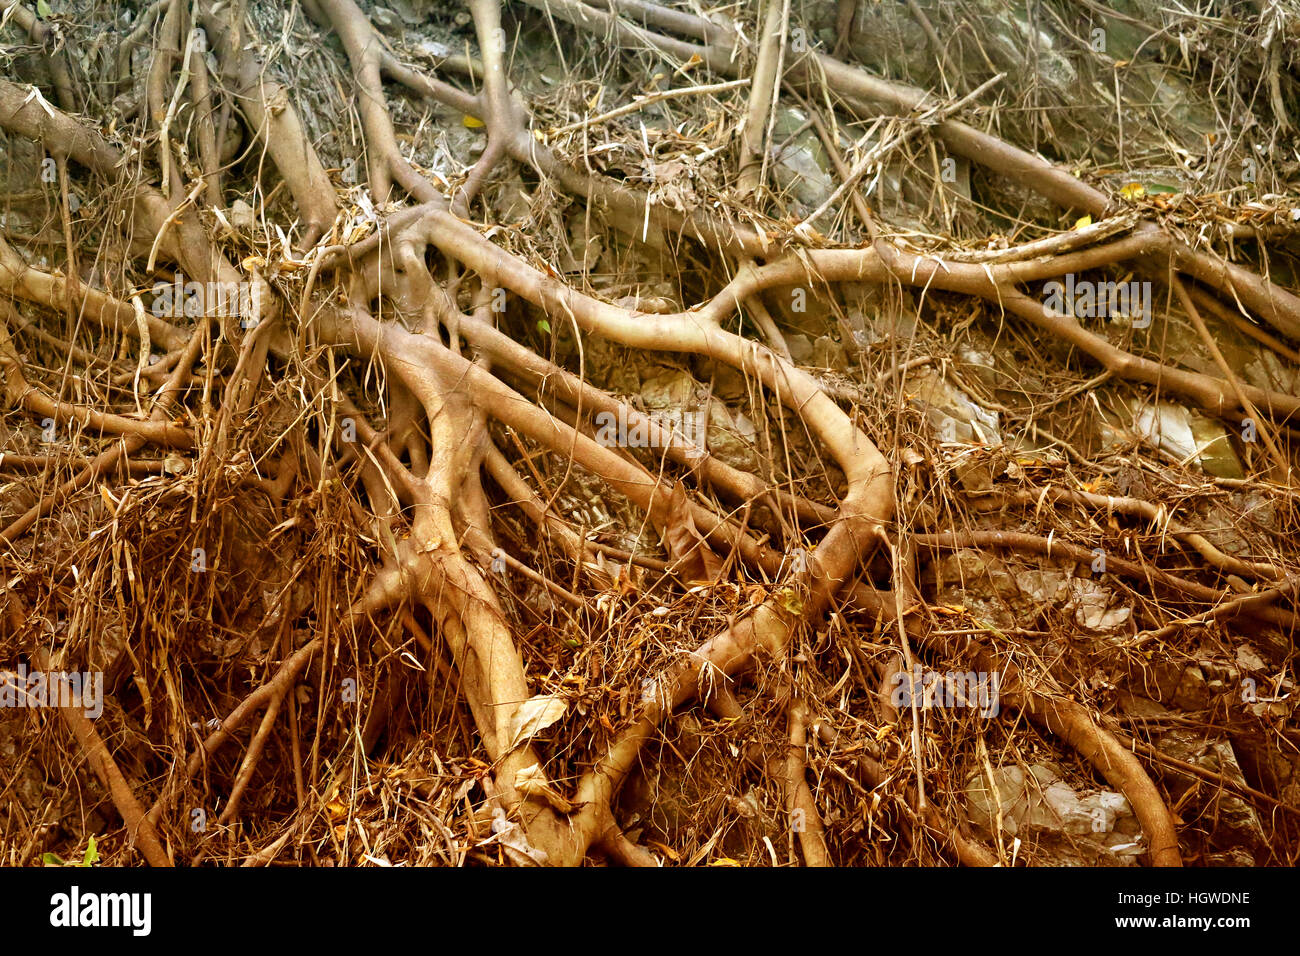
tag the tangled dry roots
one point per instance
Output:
(325, 638)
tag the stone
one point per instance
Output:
(799, 165)
(829, 354)
(1091, 603)
(801, 350)
(240, 215)
(387, 21)
(729, 383)
(1062, 826)
(1235, 823)
(950, 412)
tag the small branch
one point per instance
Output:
(1283, 465)
(800, 806)
(641, 102)
(140, 830)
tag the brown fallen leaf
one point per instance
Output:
(532, 781)
(693, 559)
(533, 716)
(628, 581)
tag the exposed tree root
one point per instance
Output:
(382, 607)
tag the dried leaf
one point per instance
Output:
(533, 716)
(109, 501)
(694, 560)
(664, 849)
(532, 782)
(628, 581)
(520, 851)
(789, 599)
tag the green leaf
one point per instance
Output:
(43, 9)
(92, 854)
(52, 859)
(544, 327)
